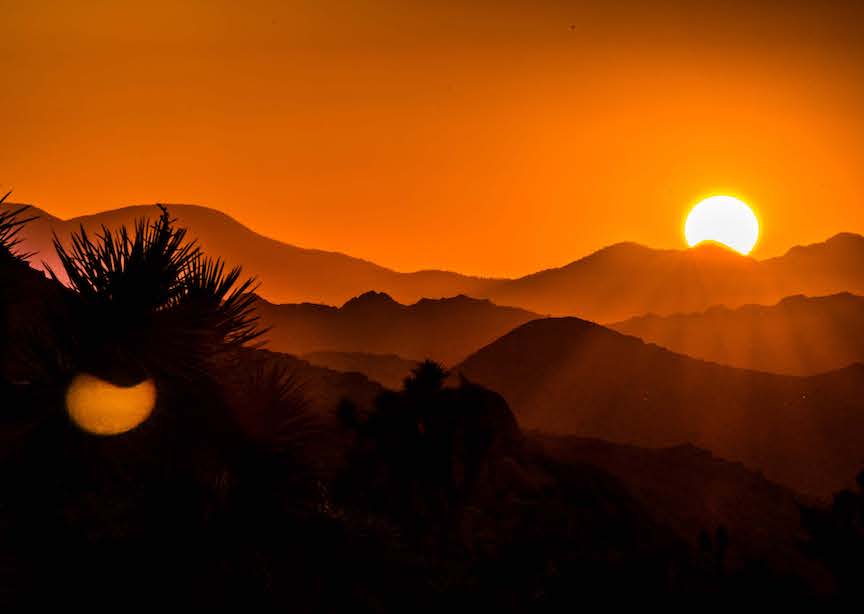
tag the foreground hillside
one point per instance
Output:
(797, 336)
(694, 492)
(566, 375)
(446, 330)
(610, 285)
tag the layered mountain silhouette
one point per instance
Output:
(446, 330)
(569, 376)
(610, 285)
(798, 336)
(292, 468)
(288, 273)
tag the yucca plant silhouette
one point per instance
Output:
(152, 301)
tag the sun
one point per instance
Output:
(723, 219)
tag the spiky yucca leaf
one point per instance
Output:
(270, 403)
(225, 303)
(11, 224)
(140, 273)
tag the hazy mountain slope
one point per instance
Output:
(387, 369)
(321, 387)
(288, 273)
(566, 375)
(446, 330)
(627, 280)
(797, 336)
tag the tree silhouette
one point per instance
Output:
(426, 379)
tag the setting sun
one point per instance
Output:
(725, 220)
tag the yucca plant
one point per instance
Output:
(271, 409)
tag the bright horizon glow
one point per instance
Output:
(723, 219)
(101, 408)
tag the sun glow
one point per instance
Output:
(725, 220)
(101, 408)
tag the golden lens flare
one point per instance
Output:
(101, 408)
(723, 219)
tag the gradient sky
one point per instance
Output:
(487, 137)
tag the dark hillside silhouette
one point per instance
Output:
(836, 536)
(690, 490)
(471, 474)
(798, 336)
(566, 375)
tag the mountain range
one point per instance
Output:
(570, 376)
(798, 336)
(615, 283)
(626, 279)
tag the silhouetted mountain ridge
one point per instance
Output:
(799, 335)
(446, 330)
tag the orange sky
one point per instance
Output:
(485, 137)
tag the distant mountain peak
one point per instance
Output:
(459, 299)
(713, 249)
(371, 299)
(845, 236)
(839, 240)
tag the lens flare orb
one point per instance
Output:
(101, 408)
